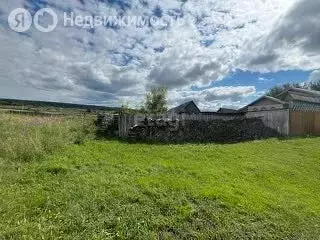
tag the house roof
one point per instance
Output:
(302, 99)
(298, 99)
(236, 113)
(244, 109)
(266, 97)
(226, 110)
(300, 91)
(183, 107)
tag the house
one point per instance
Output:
(301, 99)
(264, 103)
(226, 111)
(187, 108)
(304, 114)
(192, 108)
(294, 112)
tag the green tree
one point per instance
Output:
(156, 100)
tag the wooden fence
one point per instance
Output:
(304, 123)
(284, 121)
(277, 119)
(127, 121)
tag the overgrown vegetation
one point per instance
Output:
(28, 138)
(113, 190)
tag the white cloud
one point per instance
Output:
(107, 65)
(232, 93)
(263, 79)
(293, 42)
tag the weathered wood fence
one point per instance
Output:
(277, 119)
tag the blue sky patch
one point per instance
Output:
(262, 81)
(157, 11)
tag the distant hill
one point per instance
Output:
(42, 104)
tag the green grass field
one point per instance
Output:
(114, 190)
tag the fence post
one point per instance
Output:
(120, 124)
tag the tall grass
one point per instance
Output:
(29, 138)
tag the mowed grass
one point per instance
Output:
(114, 190)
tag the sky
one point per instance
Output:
(219, 53)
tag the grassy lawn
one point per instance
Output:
(112, 190)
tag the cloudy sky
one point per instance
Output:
(220, 53)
